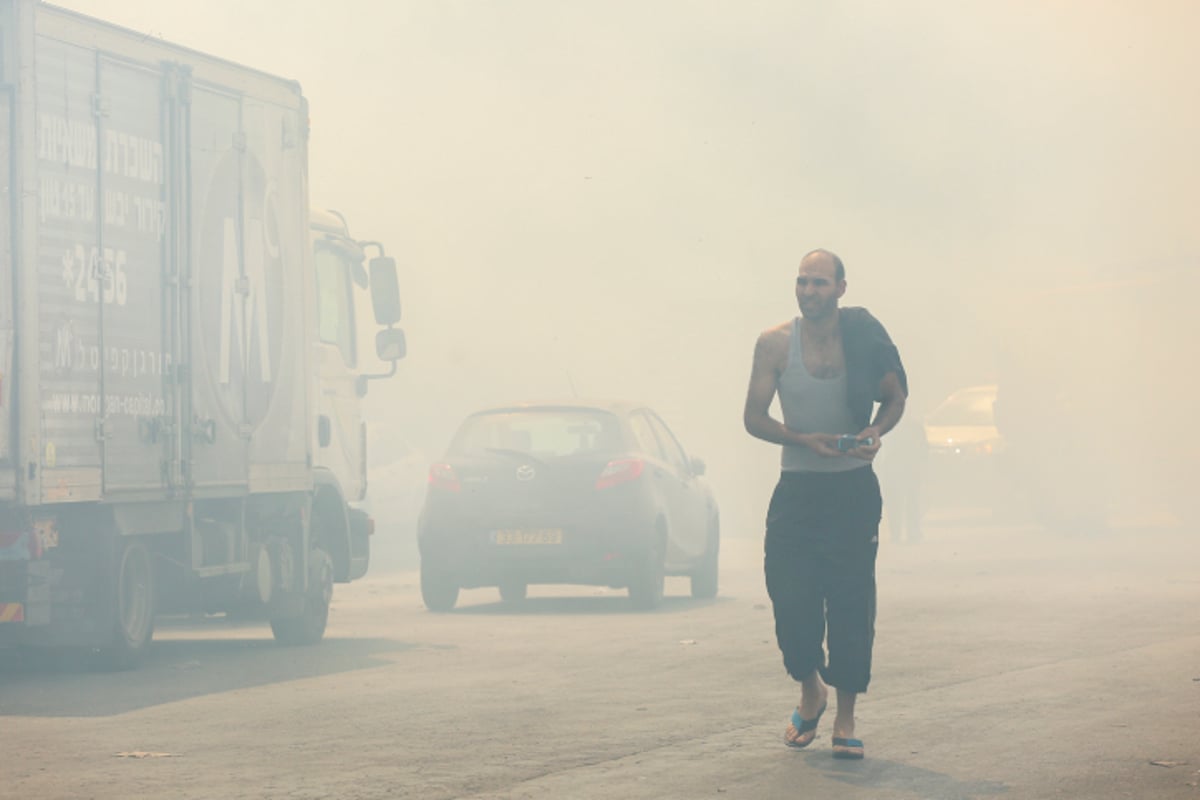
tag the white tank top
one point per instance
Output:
(813, 405)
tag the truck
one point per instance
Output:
(181, 424)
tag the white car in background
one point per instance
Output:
(964, 425)
(964, 449)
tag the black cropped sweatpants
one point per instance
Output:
(822, 539)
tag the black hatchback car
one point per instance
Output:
(599, 494)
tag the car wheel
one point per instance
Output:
(439, 590)
(648, 578)
(705, 578)
(513, 591)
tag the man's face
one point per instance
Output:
(817, 288)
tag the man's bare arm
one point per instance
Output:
(764, 383)
(769, 354)
(891, 408)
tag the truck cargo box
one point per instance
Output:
(154, 328)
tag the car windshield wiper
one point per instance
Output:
(516, 454)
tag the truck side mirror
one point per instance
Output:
(385, 291)
(390, 344)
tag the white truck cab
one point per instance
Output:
(342, 270)
(343, 275)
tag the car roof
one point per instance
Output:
(990, 388)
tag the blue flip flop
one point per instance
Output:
(803, 726)
(847, 748)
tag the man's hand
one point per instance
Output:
(867, 452)
(823, 444)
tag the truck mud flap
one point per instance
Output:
(361, 528)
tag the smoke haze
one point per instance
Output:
(610, 199)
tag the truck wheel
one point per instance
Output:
(513, 592)
(132, 598)
(705, 578)
(648, 579)
(309, 626)
(438, 589)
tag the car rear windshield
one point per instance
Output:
(543, 433)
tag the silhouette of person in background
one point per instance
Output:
(901, 467)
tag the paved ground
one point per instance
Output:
(1010, 663)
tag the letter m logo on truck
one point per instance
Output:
(236, 340)
(242, 283)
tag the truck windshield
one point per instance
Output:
(335, 306)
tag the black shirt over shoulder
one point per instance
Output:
(870, 355)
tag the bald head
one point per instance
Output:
(820, 255)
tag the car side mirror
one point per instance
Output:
(697, 466)
(385, 291)
(390, 344)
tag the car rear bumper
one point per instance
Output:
(475, 555)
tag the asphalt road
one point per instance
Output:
(1010, 663)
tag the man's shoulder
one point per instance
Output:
(783, 328)
(858, 321)
(855, 315)
(777, 333)
(867, 341)
(775, 340)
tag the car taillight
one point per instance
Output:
(442, 476)
(620, 471)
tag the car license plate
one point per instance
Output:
(528, 536)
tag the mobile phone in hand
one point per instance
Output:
(847, 443)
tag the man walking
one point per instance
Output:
(829, 367)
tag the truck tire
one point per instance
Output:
(705, 579)
(439, 590)
(648, 579)
(131, 593)
(309, 627)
